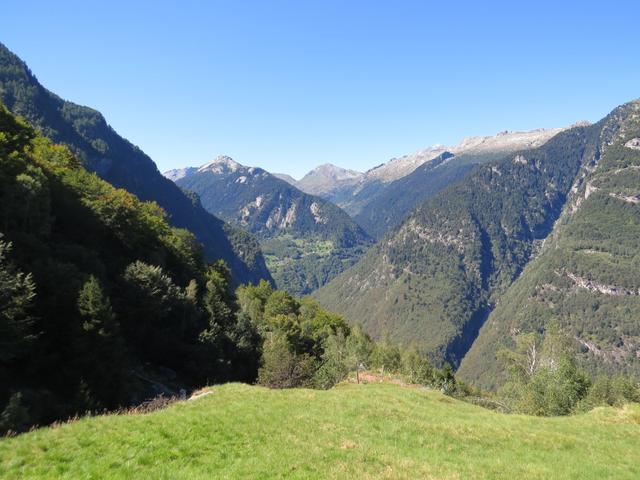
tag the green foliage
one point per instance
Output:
(101, 348)
(587, 276)
(554, 390)
(386, 356)
(610, 391)
(217, 298)
(98, 292)
(544, 378)
(280, 303)
(15, 416)
(17, 293)
(282, 368)
(305, 345)
(295, 334)
(335, 363)
(416, 368)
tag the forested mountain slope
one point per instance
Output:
(433, 280)
(306, 239)
(100, 299)
(124, 165)
(392, 204)
(587, 277)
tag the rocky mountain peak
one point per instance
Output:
(505, 141)
(327, 176)
(399, 167)
(221, 164)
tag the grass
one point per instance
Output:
(351, 431)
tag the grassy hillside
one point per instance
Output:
(587, 277)
(351, 431)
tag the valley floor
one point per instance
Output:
(352, 431)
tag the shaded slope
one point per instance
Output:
(392, 203)
(587, 277)
(122, 164)
(97, 291)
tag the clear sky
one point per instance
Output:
(288, 85)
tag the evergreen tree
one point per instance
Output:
(101, 348)
(17, 294)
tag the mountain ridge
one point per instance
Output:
(124, 165)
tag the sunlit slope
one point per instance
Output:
(587, 277)
(433, 279)
(352, 431)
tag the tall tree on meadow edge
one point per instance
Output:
(282, 368)
(359, 349)
(17, 294)
(101, 348)
(544, 378)
(217, 300)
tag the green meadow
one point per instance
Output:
(376, 430)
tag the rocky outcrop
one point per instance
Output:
(594, 286)
(633, 144)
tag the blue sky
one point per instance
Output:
(288, 85)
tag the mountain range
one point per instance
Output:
(455, 250)
(561, 219)
(307, 240)
(380, 198)
(586, 277)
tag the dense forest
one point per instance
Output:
(587, 277)
(433, 279)
(97, 290)
(389, 206)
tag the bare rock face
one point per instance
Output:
(634, 144)
(221, 165)
(399, 167)
(327, 177)
(505, 141)
(178, 173)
